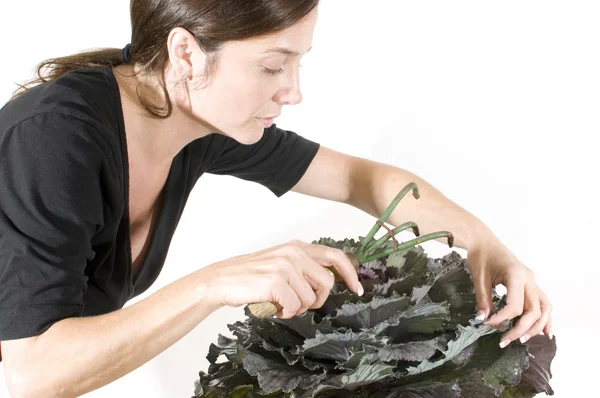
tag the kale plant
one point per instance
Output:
(412, 334)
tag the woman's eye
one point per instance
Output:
(273, 71)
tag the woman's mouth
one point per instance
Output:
(268, 122)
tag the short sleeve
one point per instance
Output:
(278, 160)
(49, 201)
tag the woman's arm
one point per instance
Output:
(372, 186)
(78, 355)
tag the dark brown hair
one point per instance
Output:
(212, 22)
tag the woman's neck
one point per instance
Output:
(151, 140)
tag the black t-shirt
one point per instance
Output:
(64, 228)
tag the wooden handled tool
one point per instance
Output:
(264, 310)
(370, 249)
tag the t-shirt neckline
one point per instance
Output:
(133, 281)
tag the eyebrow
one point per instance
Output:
(284, 51)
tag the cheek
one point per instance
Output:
(243, 96)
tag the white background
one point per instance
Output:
(494, 103)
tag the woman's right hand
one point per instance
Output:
(292, 275)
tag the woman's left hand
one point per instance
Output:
(490, 264)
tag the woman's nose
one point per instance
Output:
(291, 93)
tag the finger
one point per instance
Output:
(321, 288)
(286, 297)
(548, 328)
(319, 278)
(515, 297)
(302, 288)
(483, 294)
(328, 256)
(530, 316)
(540, 324)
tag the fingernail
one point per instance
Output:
(480, 316)
(504, 343)
(550, 335)
(524, 338)
(361, 290)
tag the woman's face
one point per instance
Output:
(254, 80)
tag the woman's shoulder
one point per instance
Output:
(76, 108)
(87, 96)
(57, 155)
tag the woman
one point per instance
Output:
(98, 161)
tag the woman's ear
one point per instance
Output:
(184, 53)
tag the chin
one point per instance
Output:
(247, 137)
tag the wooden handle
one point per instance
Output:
(265, 310)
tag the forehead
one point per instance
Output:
(297, 39)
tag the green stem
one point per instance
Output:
(387, 213)
(372, 247)
(405, 245)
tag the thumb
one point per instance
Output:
(483, 295)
